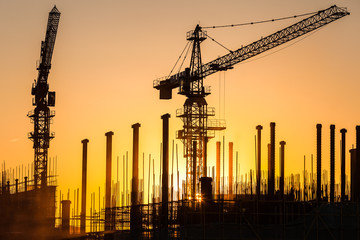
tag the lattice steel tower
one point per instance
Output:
(41, 116)
(195, 113)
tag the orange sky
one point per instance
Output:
(107, 53)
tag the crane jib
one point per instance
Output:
(318, 20)
(47, 46)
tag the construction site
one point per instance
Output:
(208, 202)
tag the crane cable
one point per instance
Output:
(263, 21)
(179, 59)
(216, 41)
(232, 25)
(187, 52)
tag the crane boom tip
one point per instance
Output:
(54, 10)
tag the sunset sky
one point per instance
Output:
(107, 54)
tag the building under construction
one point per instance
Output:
(246, 209)
(26, 212)
(208, 204)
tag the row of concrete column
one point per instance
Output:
(355, 170)
(271, 163)
(135, 211)
(354, 164)
(5, 188)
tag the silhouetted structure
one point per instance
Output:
(357, 167)
(202, 217)
(231, 177)
(27, 214)
(258, 162)
(269, 164)
(108, 180)
(27, 210)
(218, 145)
(332, 163)
(83, 188)
(165, 176)
(135, 221)
(193, 188)
(190, 81)
(343, 151)
(318, 162)
(65, 218)
(206, 139)
(354, 176)
(282, 167)
(44, 99)
(271, 182)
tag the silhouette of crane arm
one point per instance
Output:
(40, 87)
(320, 19)
(47, 46)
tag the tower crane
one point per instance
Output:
(197, 128)
(41, 116)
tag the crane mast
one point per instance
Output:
(195, 113)
(43, 99)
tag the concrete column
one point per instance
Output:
(206, 188)
(343, 132)
(135, 166)
(312, 178)
(65, 216)
(3, 187)
(357, 165)
(251, 183)
(165, 176)
(282, 167)
(318, 162)
(272, 160)
(205, 157)
(26, 183)
(83, 187)
(304, 181)
(36, 177)
(16, 185)
(231, 145)
(43, 178)
(194, 157)
(332, 163)
(258, 162)
(108, 180)
(135, 218)
(218, 145)
(353, 186)
(269, 165)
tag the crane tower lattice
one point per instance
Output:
(41, 116)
